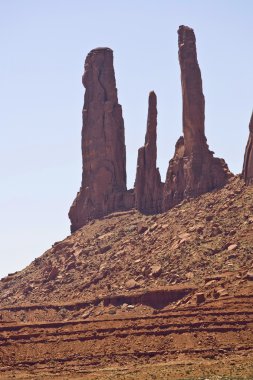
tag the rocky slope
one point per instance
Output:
(199, 239)
(153, 292)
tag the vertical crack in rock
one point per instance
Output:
(148, 185)
(103, 143)
(248, 156)
(193, 169)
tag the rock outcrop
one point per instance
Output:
(103, 143)
(193, 169)
(248, 156)
(148, 186)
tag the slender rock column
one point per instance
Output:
(192, 93)
(193, 169)
(103, 143)
(148, 186)
(248, 156)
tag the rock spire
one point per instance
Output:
(148, 186)
(248, 156)
(103, 143)
(193, 169)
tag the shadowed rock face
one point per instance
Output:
(148, 186)
(193, 169)
(248, 156)
(103, 143)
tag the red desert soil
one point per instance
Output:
(138, 297)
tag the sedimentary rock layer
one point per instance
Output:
(248, 156)
(193, 169)
(148, 186)
(103, 143)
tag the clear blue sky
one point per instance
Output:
(43, 46)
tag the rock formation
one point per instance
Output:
(248, 156)
(193, 169)
(103, 143)
(148, 186)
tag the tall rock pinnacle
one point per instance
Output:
(248, 156)
(103, 143)
(193, 169)
(192, 93)
(148, 186)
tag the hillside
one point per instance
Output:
(166, 288)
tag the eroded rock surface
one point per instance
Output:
(103, 186)
(193, 169)
(248, 157)
(148, 185)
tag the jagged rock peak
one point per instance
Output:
(148, 186)
(103, 143)
(248, 156)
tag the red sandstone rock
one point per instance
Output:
(103, 188)
(248, 157)
(148, 185)
(193, 169)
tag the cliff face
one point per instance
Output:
(103, 143)
(148, 185)
(193, 169)
(247, 171)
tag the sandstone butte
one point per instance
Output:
(192, 171)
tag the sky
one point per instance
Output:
(43, 46)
